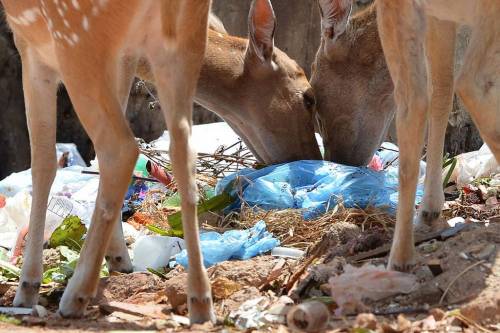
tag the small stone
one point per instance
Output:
(40, 311)
(223, 288)
(486, 252)
(366, 320)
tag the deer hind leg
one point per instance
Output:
(176, 70)
(401, 26)
(440, 46)
(117, 256)
(99, 109)
(478, 85)
(40, 87)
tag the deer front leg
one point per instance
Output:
(40, 86)
(401, 27)
(176, 72)
(440, 47)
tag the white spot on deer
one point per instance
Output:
(103, 3)
(31, 15)
(64, 6)
(66, 23)
(75, 38)
(95, 10)
(75, 4)
(60, 11)
(26, 18)
(85, 23)
(50, 24)
(57, 34)
(68, 40)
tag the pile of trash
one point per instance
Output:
(287, 210)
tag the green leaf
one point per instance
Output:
(173, 201)
(66, 268)
(361, 330)
(70, 233)
(9, 320)
(157, 273)
(213, 204)
(451, 163)
(69, 254)
(9, 271)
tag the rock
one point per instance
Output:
(176, 290)
(223, 288)
(366, 320)
(428, 293)
(40, 311)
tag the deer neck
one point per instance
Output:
(220, 86)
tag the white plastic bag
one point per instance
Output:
(155, 251)
(473, 165)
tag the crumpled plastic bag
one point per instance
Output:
(315, 186)
(233, 244)
(473, 165)
(358, 284)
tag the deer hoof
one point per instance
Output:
(201, 309)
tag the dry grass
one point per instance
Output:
(292, 230)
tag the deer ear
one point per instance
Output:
(261, 27)
(334, 17)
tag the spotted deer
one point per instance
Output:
(92, 47)
(418, 41)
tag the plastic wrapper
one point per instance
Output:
(315, 187)
(233, 244)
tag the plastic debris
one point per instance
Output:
(259, 312)
(233, 244)
(315, 186)
(68, 154)
(454, 221)
(368, 282)
(155, 251)
(287, 252)
(308, 317)
(473, 165)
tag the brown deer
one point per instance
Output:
(92, 47)
(353, 88)
(418, 40)
(267, 101)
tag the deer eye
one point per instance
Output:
(309, 100)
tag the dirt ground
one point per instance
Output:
(458, 289)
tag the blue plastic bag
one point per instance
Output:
(314, 186)
(233, 244)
